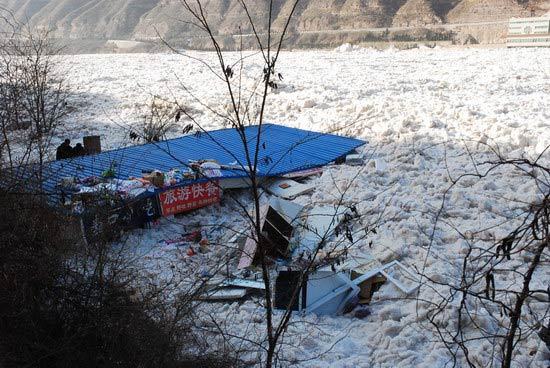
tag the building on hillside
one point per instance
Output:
(529, 32)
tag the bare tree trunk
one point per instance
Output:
(515, 315)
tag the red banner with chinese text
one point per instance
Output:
(190, 197)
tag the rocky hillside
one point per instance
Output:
(480, 10)
(145, 19)
(416, 13)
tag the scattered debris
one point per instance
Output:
(289, 234)
(361, 311)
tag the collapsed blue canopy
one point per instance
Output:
(281, 150)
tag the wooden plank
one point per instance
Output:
(250, 284)
(225, 294)
(250, 245)
(247, 257)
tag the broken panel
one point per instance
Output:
(285, 285)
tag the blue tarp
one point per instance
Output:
(282, 150)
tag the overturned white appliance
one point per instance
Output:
(328, 290)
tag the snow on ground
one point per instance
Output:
(446, 93)
(421, 110)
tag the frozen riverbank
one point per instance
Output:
(428, 113)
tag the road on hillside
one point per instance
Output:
(383, 29)
(405, 28)
(373, 30)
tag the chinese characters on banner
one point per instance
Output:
(190, 197)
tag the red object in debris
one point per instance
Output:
(197, 236)
(190, 252)
(190, 197)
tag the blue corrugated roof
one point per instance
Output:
(282, 150)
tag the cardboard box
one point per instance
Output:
(156, 177)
